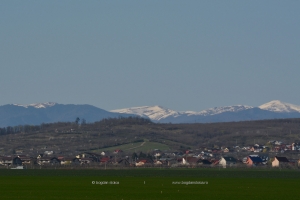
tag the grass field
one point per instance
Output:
(137, 146)
(149, 184)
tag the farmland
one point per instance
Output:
(149, 184)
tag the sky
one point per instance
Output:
(182, 55)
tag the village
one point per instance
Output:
(272, 154)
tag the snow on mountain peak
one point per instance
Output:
(37, 105)
(218, 110)
(278, 106)
(155, 113)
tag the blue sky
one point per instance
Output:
(183, 55)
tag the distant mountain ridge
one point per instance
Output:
(35, 114)
(270, 110)
(50, 112)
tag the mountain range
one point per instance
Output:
(271, 110)
(35, 114)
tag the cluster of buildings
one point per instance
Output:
(270, 154)
(156, 159)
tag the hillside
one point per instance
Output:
(72, 137)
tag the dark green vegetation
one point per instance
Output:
(149, 184)
(77, 137)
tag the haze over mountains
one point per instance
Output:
(35, 114)
(271, 110)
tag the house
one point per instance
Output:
(278, 143)
(140, 163)
(19, 151)
(48, 160)
(157, 154)
(48, 152)
(293, 146)
(5, 160)
(226, 150)
(204, 162)
(216, 162)
(227, 161)
(118, 151)
(288, 147)
(264, 158)
(254, 160)
(279, 161)
(184, 162)
(68, 161)
(25, 159)
(293, 162)
(167, 161)
(60, 157)
(192, 160)
(72, 161)
(40, 156)
(298, 163)
(17, 161)
(216, 151)
(123, 162)
(157, 162)
(277, 148)
(94, 156)
(86, 160)
(105, 159)
(75, 161)
(143, 162)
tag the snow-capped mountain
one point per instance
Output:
(270, 110)
(278, 106)
(219, 110)
(155, 113)
(37, 105)
(49, 112)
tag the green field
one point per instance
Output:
(149, 184)
(136, 147)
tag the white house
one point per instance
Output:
(227, 161)
(279, 161)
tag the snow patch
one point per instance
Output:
(219, 110)
(155, 113)
(37, 105)
(278, 106)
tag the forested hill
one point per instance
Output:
(111, 132)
